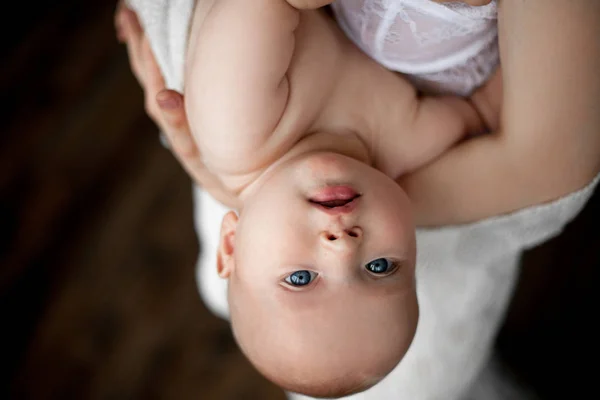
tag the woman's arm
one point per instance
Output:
(548, 143)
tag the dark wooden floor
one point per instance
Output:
(98, 297)
(97, 249)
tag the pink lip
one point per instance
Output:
(345, 209)
(336, 193)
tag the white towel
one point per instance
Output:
(465, 274)
(166, 24)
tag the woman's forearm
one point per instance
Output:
(548, 144)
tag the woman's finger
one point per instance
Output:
(179, 135)
(133, 35)
(118, 21)
(153, 80)
(175, 126)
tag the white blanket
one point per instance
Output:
(465, 274)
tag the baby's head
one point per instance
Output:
(321, 265)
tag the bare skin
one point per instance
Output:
(245, 116)
(277, 129)
(535, 155)
(282, 115)
(548, 143)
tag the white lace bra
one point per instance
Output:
(443, 47)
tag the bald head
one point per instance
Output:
(322, 301)
(323, 346)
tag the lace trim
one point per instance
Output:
(445, 43)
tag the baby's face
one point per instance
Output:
(321, 273)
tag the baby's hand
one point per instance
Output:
(488, 101)
(440, 122)
(444, 121)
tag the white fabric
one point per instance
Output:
(465, 274)
(450, 47)
(465, 278)
(166, 24)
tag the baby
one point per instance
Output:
(309, 134)
(473, 314)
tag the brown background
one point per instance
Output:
(97, 249)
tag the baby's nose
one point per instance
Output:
(342, 237)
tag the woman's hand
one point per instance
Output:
(164, 106)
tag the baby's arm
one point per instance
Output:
(548, 143)
(236, 83)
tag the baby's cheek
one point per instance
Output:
(399, 223)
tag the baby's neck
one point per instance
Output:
(347, 144)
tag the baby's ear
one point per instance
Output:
(226, 250)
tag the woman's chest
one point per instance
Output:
(422, 37)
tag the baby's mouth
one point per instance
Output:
(334, 203)
(336, 199)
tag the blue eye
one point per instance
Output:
(380, 266)
(300, 278)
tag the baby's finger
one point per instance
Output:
(176, 124)
(488, 101)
